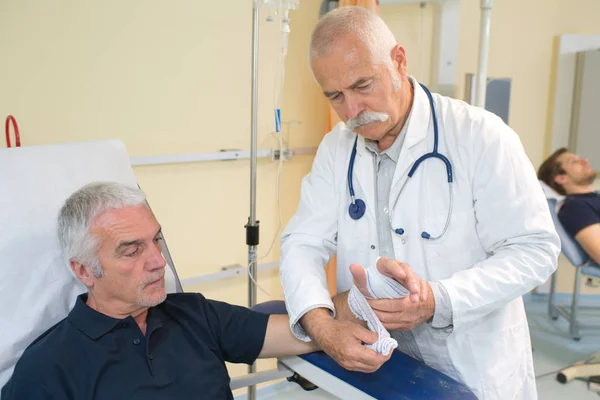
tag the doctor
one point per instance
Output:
(468, 233)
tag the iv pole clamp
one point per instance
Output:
(252, 235)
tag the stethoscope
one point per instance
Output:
(357, 206)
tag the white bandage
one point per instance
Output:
(379, 287)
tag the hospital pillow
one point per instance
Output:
(37, 289)
(553, 194)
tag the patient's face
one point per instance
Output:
(131, 258)
(578, 170)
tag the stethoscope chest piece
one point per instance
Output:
(357, 209)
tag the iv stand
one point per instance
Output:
(252, 226)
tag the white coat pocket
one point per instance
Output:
(457, 250)
(501, 361)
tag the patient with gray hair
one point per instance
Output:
(127, 338)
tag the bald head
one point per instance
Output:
(353, 24)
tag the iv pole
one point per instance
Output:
(252, 226)
(252, 232)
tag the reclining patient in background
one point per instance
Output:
(126, 338)
(572, 176)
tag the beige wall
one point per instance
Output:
(521, 40)
(412, 27)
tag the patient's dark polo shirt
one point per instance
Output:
(580, 211)
(188, 338)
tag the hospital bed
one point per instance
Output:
(584, 268)
(37, 290)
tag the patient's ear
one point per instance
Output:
(82, 273)
(561, 179)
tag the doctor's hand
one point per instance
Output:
(343, 341)
(405, 313)
(400, 272)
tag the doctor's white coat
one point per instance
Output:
(500, 244)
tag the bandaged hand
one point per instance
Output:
(403, 313)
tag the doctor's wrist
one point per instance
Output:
(314, 321)
(442, 315)
(429, 306)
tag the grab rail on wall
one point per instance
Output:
(224, 155)
(228, 271)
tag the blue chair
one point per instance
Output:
(584, 266)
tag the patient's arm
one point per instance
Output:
(342, 309)
(589, 239)
(280, 342)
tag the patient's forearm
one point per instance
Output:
(280, 341)
(589, 239)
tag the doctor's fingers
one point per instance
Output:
(392, 268)
(350, 352)
(424, 292)
(396, 321)
(363, 334)
(388, 305)
(361, 367)
(359, 276)
(367, 360)
(402, 273)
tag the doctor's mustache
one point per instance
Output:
(366, 117)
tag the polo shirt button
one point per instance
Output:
(136, 341)
(150, 356)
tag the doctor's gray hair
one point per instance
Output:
(357, 21)
(77, 214)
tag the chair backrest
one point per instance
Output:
(570, 248)
(36, 288)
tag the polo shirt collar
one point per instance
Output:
(89, 321)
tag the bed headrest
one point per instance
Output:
(553, 194)
(36, 287)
